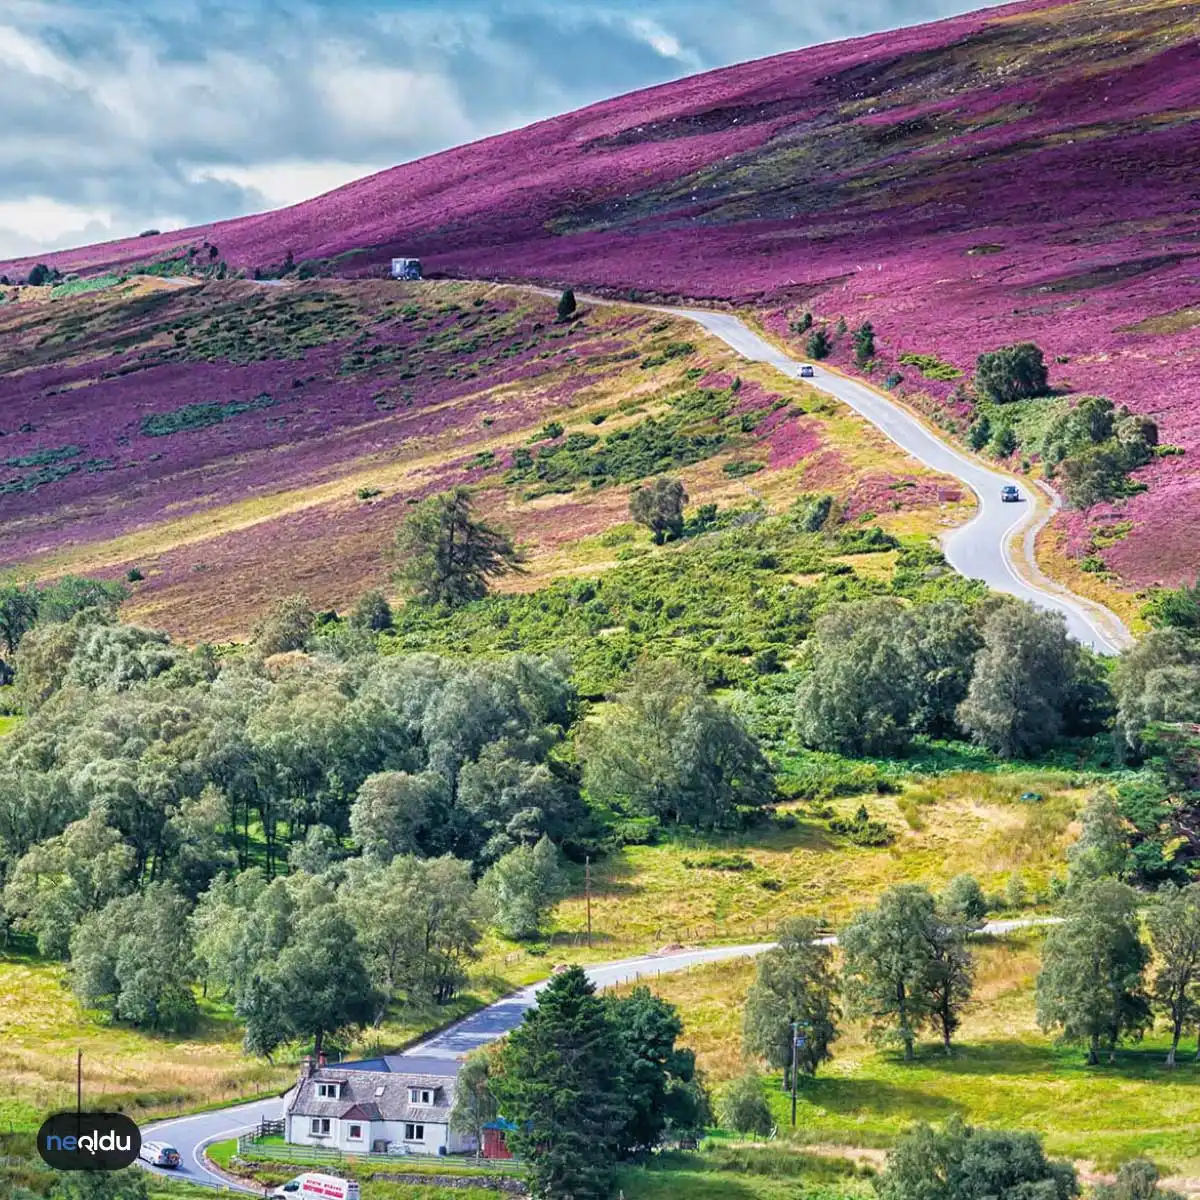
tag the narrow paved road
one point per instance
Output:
(981, 549)
(191, 1135)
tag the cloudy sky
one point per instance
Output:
(121, 115)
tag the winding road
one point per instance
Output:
(192, 1135)
(980, 549)
(983, 548)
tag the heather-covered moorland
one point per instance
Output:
(1024, 173)
(232, 443)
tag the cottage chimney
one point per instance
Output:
(321, 1059)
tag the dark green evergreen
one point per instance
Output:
(564, 1081)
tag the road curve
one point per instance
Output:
(980, 549)
(192, 1135)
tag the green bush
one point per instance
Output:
(930, 366)
(818, 345)
(200, 416)
(862, 830)
(1012, 373)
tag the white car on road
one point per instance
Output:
(806, 372)
(159, 1154)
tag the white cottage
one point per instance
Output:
(392, 1105)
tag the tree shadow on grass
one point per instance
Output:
(854, 1096)
(1011, 1056)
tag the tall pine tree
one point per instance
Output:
(562, 1082)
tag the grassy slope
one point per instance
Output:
(147, 1075)
(452, 380)
(649, 895)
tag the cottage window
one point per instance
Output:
(319, 1127)
(356, 1133)
(420, 1096)
(414, 1133)
(329, 1091)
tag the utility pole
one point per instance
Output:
(78, 1081)
(798, 1042)
(587, 887)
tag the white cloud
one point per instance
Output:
(379, 101)
(283, 183)
(32, 57)
(41, 219)
(660, 40)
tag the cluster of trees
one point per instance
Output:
(665, 749)
(130, 1184)
(1092, 446)
(587, 1081)
(420, 798)
(1096, 986)
(1001, 672)
(24, 604)
(906, 966)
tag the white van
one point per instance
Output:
(312, 1186)
(159, 1154)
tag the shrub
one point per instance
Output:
(566, 305)
(133, 575)
(1012, 373)
(812, 515)
(864, 343)
(719, 862)
(818, 345)
(980, 433)
(739, 468)
(200, 416)
(743, 1107)
(659, 506)
(862, 830)
(1004, 441)
(931, 367)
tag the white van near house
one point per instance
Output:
(313, 1186)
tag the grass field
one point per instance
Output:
(964, 821)
(42, 1027)
(1004, 1072)
(718, 1170)
(8, 724)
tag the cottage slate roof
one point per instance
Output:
(359, 1090)
(400, 1064)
